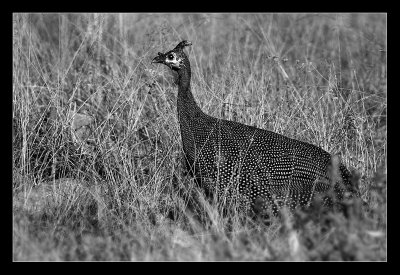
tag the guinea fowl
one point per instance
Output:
(254, 167)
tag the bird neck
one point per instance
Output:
(185, 100)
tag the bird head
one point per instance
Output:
(175, 59)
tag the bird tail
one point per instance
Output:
(349, 182)
(345, 184)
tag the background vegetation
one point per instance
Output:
(97, 171)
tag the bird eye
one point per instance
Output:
(170, 56)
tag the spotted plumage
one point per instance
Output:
(244, 163)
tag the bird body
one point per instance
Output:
(245, 163)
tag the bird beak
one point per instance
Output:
(159, 58)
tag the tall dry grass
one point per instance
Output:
(97, 171)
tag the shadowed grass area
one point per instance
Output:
(97, 157)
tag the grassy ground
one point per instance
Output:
(97, 171)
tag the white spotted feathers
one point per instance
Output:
(239, 162)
